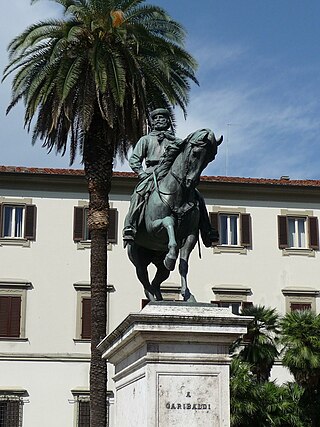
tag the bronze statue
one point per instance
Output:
(150, 148)
(166, 210)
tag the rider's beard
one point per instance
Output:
(161, 126)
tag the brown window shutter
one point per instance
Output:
(215, 303)
(313, 233)
(113, 226)
(282, 232)
(86, 318)
(300, 306)
(1, 225)
(10, 313)
(144, 302)
(15, 316)
(246, 230)
(246, 304)
(4, 315)
(30, 222)
(78, 225)
(214, 220)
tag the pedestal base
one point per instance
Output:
(171, 365)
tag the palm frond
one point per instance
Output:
(72, 77)
(70, 70)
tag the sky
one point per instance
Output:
(259, 74)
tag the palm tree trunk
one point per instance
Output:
(98, 367)
(98, 162)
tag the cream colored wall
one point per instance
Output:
(53, 264)
(263, 268)
(52, 362)
(121, 274)
(50, 402)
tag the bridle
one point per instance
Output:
(181, 181)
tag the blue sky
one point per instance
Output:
(259, 73)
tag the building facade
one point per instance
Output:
(268, 254)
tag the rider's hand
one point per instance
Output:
(143, 175)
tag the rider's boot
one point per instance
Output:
(209, 236)
(128, 235)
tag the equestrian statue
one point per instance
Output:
(167, 212)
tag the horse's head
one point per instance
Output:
(200, 149)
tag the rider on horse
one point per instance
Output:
(153, 149)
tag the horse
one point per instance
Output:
(170, 225)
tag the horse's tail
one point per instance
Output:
(199, 248)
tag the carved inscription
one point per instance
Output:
(188, 400)
(189, 406)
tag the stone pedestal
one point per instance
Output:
(171, 365)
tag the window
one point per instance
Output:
(85, 318)
(234, 228)
(235, 306)
(10, 314)
(144, 302)
(12, 308)
(298, 231)
(300, 307)
(80, 225)
(83, 412)
(232, 296)
(300, 298)
(82, 407)
(83, 311)
(229, 229)
(17, 221)
(10, 410)
(13, 221)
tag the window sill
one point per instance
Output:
(14, 242)
(229, 249)
(86, 244)
(298, 251)
(14, 339)
(81, 340)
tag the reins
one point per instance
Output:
(178, 179)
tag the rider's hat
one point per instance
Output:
(162, 111)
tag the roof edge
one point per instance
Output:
(204, 179)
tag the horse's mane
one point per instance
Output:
(174, 150)
(171, 153)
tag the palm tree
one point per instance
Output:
(258, 346)
(262, 404)
(301, 338)
(243, 405)
(88, 80)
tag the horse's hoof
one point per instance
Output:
(169, 263)
(149, 296)
(188, 297)
(156, 292)
(158, 296)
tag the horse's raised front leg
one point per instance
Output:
(168, 224)
(185, 252)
